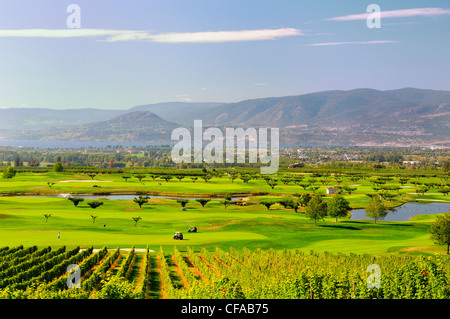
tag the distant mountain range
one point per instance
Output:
(38, 118)
(130, 127)
(401, 117)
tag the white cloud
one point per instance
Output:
(350, 42)
(395, 14)
(221, 36)
(183, 97)
(69, 33)
(138, 35)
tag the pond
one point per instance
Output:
(406, 211)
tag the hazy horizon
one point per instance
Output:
(199, 102)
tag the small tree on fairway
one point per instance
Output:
(304, 185)
(422, 190)
(316, 208)
(93, 218)
(136, 219)
(9, 172)
(440, 230)
(75, 200)
(206, 178)
(94, 204)
(203, 201)
(226, 203)
(314, 188)
(376, 209)
(47, 217)
(444, 190)
(126, 177)
(194, 179)
(91, 175)
(371, 195)
(246, 178)
(140, 177)
(267, 204)
(338, 206)
(183, 202)
(272, 183)
(50, 184)
(349, 189)
(141, 200)
(286, 202)
(167, 178)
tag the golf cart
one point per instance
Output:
(178, 236)
(192, 229)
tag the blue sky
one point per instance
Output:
(129, 53)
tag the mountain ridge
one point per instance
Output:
(128, 127)
(362, 116)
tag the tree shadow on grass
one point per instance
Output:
(341, 226)
(400, 224)
(371, 222)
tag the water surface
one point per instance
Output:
(406, 211)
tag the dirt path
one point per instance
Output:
(221, 261)
(210, 266)
(179, 273)
(195, 269)
(138, 250)
(162, 292)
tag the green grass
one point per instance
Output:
(252, 226)
(22, 220)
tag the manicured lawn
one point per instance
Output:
(22, 218)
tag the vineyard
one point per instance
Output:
(32, 273)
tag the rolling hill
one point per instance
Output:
(356, 117)
(38, 118)
(182, 113)
(130, 127)
(333, 108)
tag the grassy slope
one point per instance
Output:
(22, 222)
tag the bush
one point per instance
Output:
(9, 172)
(116, 288)
(58, 167)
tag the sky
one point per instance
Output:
(118, 54)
